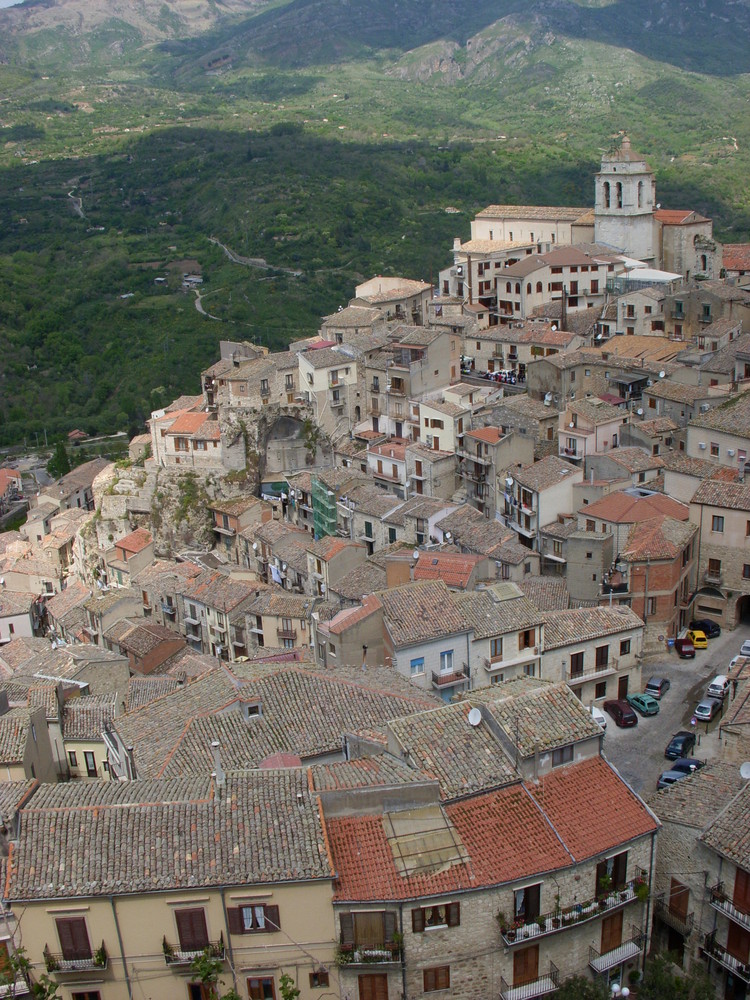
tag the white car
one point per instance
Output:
(599, 716)
(745, 651)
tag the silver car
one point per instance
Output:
(705, 710)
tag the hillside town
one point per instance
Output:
(364, 667)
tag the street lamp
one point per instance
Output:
(619, 991)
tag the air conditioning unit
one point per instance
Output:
(705, 407)
(730, 452)
(702, 445)
(487, 663)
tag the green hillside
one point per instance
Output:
(329, 139)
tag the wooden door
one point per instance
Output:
(374, 987)
(526, 966)
(741, 897)
(679, 896)
(611, 932)
(622, 687)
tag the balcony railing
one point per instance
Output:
(566, 917)
(615, 588)
(168, 609)
(713, 576)
(669, 916)
(569, 452)
(286, 633)
(536, 988)
(623, 952)
(443, 680)
(721, 902)
(375, 953)
(95, 961)
(719, 954)
(175, 955)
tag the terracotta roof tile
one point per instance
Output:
(581, 624)
(660, 538)
(548, 593)
(631, 508)
(136, 541)
(733, 496)
(451, 567)
(419, 612)
(699, 798)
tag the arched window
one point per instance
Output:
(606, 195)
(528, 288)
(508, 287)
(704, 263)
(619, 194)
(518, 288)
(538, 286)
(357, 414)
(640, 194)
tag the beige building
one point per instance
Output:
(722, 434)
(328, 380)
(722, 513)
(84, 720)
(590, 427)
(395, 298)
(537, 495)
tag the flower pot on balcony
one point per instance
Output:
(555, 922)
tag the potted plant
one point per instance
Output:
(100, 957)
(541, 923)
(168, 950)
(641, 890)
(503, 921)
(556, 913)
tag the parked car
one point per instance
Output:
(621, 712)
(643, 703)
(687, 765)
(745, 651)
(667, 778)
(711, 629)
(719, 687)
(599, 716)
(680, 745)
(707, 708)
(698, 639)
(685, 648)
(657, 687)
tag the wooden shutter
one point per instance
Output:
(272, 918)
(619, 870)
(417, 920)
(738, 942)
(389, 926)
(436, 979)
(373, 987)
(346, 920)
(74, 939)
(526, 966)
(611, 932)
(453, 914)
(679, 895)
(191, 929)
(601, 871)
(234, 917)
(532, 902)
(741, 897)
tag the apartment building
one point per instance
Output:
(537, 494)
(721, 512)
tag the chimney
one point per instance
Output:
(218, 769)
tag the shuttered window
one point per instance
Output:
(438, 978)
(191, 929)
(373, 987)
(74, 938)
(443, 915)
(253, 919)
(368, 929)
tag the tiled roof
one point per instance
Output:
(406, 288)
(472, 532)
(420, 612)
(19, 651)
(143, 690)
(101, 601)
(548, 593)
(329, 546)
(659, 538)
(141, 637)
(327, 357)
(539, 720)
(733, 416)
(677, 392)
(659, 425)
(733, 496)
(572, 798)
(347, 617)
(563, 628)
(73, 596)
(512, 553)
(234, 506)
(44, 696)
(352, 316)
(14, 604)
(464, 759)
(597, 411)
(527, 406)
(218, 591)
(164, 573)
(362, 772)
(360, 581)
(281, 604)
(552, 213)
(414, 507)
(87, 717)
(13, 794)
(78, 839)
(136, 541)
(417, 336)
(490, 435)
(736, 256)
(729, 834)
(14, 728)
(490, 615)
(699, 798)
(545, 473)
(372, 500)
(452, 568)
(630, 508)
(635, 459)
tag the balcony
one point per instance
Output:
(536, 988)
(569, 916)
(96, 961)
(374, 410)
(721, 902)
(600, 670)
(472, 456)
(682, 924)
(225, 529)
(721, 956)
(615, 588)
(713, 577)
(286, 633)
(168, 609)
(336, 400)
(446, 680)
(604, 961)
(176, 956)
(377, 953)
(570, 452)
(677, 313)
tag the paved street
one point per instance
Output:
(638, 753)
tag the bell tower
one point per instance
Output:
(625, 198)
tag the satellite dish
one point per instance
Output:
(415, 554)
(662, 374)
(745, 771)
(639, 411)
(475, 717)
(571, 425)
(554, 328)
(447, 535)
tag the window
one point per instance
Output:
(526, 903)
(446, 662)
(391, 534)
(496, 648)
(261, 989)
(253, 918)
(590, 525)
(416, 667)
(714, 567)
(717, 523)
(198, 991)
(319, 980)
(74, 938)
(89, 995)
(438, 978)
(602, 657)
(624, 647)
(529, 669)
(576, 664)
(72, 758)
(563, 755)
(746, 571)
(714, 450)
(90, 764)
(600, 691)
(368, 529)
(191, 929)
(612, 871)
(651, 606)
(526, 638)
(445, 915)
(264, 387)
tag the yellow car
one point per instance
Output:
(698, 639)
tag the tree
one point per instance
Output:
(664, 980)
(287, 988)
(16, 976)
(580, 988)
(59, 464)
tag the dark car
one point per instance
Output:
(667, 778)
(680, 745)
(687, 765)
(621, 712)
(657, 687)
(711, 629)
(685, 648)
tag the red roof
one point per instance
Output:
(489, 434)
(453, 568)
(736, 256)
(591, 808)
(675, 216)
(318, 344)
(277, 760)
(188, 423)
(7, 478)
(136, 541)
(625, 508)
